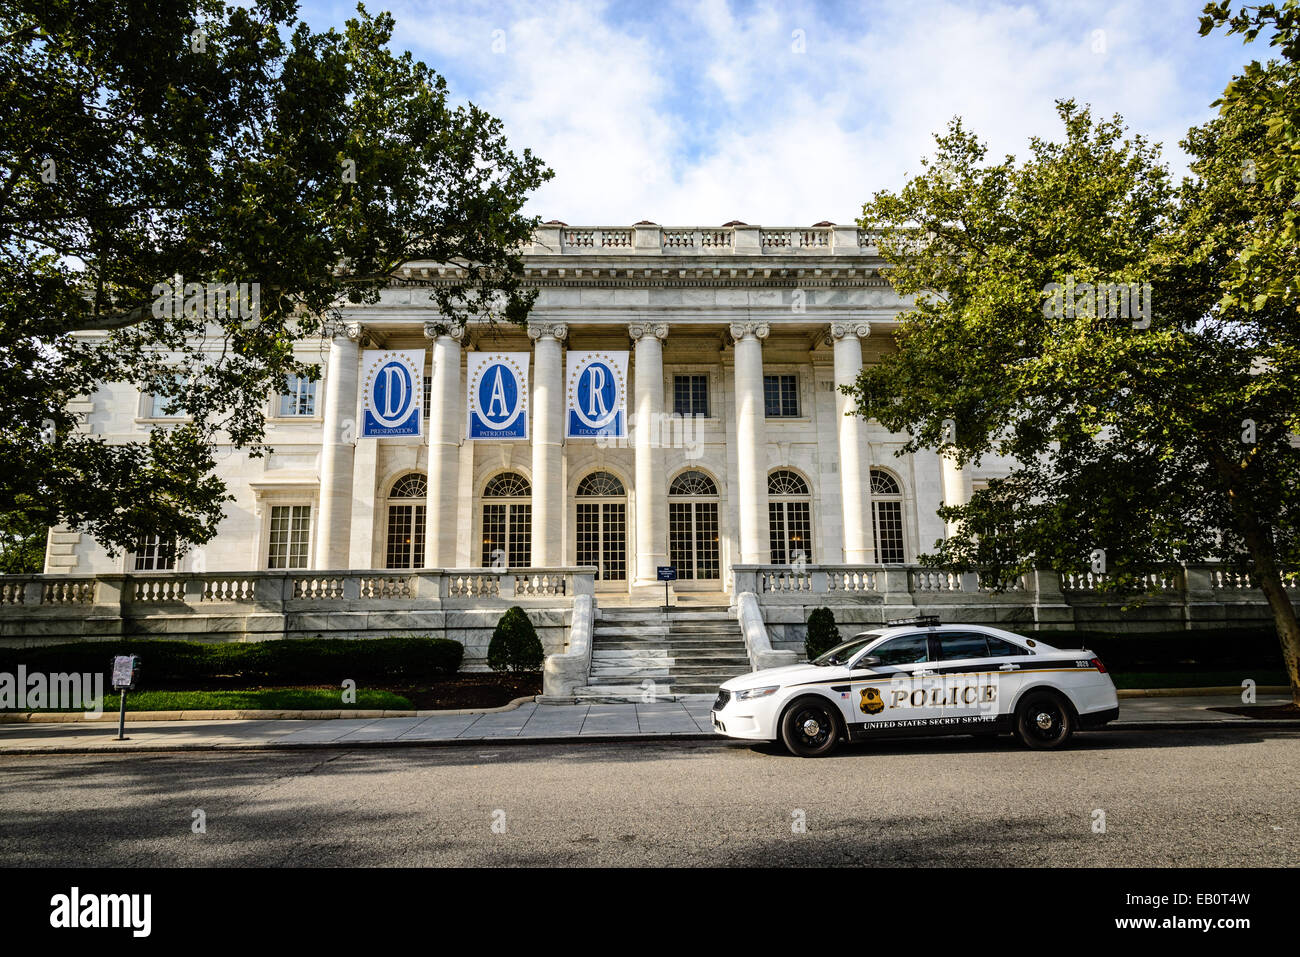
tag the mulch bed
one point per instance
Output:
(472, 691)
(1269, 712)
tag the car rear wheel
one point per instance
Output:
(1044, 721)
(811, 728)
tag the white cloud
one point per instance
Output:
(706, 111)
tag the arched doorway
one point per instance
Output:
(789, 514)
(404, 538)
(507, 521)
(693, 527)
(601, 526)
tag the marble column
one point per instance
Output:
(548, 442)
(956, 486)
(649, 438)
(445, 396)
(855, 469)
(338, 447)
(751, 442)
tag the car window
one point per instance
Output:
(1004, 649)
(962, 646)
(903, 650)
(841, 653)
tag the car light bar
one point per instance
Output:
(928, 620)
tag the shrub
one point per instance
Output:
(515, 645)
(822, 633)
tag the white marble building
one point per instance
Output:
(739, 336)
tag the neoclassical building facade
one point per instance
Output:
(740, 450)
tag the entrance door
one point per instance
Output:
(693, 527)
(601, 526)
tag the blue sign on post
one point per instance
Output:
(667, 573)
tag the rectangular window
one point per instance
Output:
(290, 536)
(428, 395)
(781, 396)
(155, 555)
(156, 406)
(888, 528)
(789, 532)
(405, 536)
(298, 398)
(691, 395)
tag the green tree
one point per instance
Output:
(1145, 427)
(142, 141)
(22, 543)
(822, 635)
(514, 645)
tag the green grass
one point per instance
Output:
(1197, 679)
(260, 699)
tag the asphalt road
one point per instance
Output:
(1208, 797)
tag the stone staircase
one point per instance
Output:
(687, 650)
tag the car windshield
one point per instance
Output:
(840, 654)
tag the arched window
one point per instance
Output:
(693, 526)
(507, 521)
(601, 526)
(693, 483)
(601, 484)
(406, 517)
(887, 517)
(789, 518)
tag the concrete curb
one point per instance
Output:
(1194, 692)
(612, 738)
(77, 717)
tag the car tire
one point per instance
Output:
(1044, 721)
(810, 728)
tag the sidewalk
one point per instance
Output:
(531, 722)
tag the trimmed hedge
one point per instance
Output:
(295, 660)
(1205, 649)
(515, 645)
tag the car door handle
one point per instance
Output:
(1009, 668)
(924, 674)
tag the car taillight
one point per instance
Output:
(1096, 663)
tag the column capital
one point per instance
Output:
(639, 330)
(747, 330)
(450, 328)
(841, 330)
(547, 330)
(351, 330)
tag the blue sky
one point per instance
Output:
(785, 114)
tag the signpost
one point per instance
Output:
(126, 671)
(667, 573)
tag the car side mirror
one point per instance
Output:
(868, 661)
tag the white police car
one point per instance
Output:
(918, 677)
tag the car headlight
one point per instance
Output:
(757, 692)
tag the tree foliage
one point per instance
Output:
(142, 141)
(1147, 435)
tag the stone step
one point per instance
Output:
(729, 655)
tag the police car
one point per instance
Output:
(917, 677)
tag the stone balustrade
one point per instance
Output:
(463, 604)
(1195, 596)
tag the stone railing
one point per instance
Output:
(1195, 596)
(251, 606)
(651, 239)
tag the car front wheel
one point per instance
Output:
(810, 728)
(1044, 721)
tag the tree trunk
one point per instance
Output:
(1288, 627)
